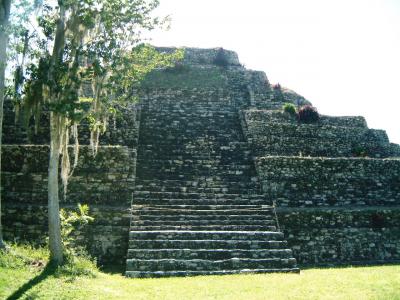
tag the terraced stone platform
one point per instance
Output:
(197, 207)
(205, 154)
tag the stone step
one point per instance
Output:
(200, 212)
(192, 171)
(204, 190)
(183, 195)
(200, 217)
(196, 168)
(204, 227)
(189, 222)
(154, 135)
(192, 127)
(206, 180)
(208, 131)
(198, 112)
(191, 176)
(155, 274)
(207, 265)
(201, 235)
(193, 145)
(200, 207)
(208, 163)
(206, 244)
(237, 158)
(228, 156)
(218, 201)
(214, 254)
(206, 212)
(201, 182)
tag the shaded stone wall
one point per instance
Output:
(106, 179)
(106, 238)
(331, 210)
(344, 235)
(196, 56)
(104, 182)
(121, 130)
(332, 207)
(317, 182)
(336, 210)
(277, 133)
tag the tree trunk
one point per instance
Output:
(55, 245)
(55, 242)
(4, 17)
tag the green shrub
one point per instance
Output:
(81, 264)
(70, 222)
(178, 68)
(308, 114)
(23, 255)
(27, 256)
(359, 151)
(289, 108)
(277, 92)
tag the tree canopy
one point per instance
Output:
(72, 43)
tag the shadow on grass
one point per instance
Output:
(361, 264)
(113, 269)
(49, 270)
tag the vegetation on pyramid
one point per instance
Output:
(229, 174)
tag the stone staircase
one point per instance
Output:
(197, 207)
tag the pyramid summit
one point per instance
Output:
(208, 174)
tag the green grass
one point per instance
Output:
(39, 282)
(188, 77)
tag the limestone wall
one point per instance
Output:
(121, 130)
(105, 238)
(318, 182)
(104, 182)
(332, 210)
(336, 210)
(275, 116)
(196, 56)
(277, 133)
(349, 235)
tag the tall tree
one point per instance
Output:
(4, 22)
(81, 42)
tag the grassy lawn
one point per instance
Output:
(39, 282)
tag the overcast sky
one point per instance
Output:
(342, 55)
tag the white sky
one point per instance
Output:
(342, 55)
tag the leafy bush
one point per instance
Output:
(20, 256)
(276, 86)
(221, 59)
(289, 108)
(79, 265)
(308, 114)
(70, 222)
(26, 256)
(278, 94)
(177, 68)
(77, 261)
(359, 151)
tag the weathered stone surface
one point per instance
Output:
(205, 56)
(345, 235)
(105, 238)
(278, 133)
(106, 179)
(305, 182)
(105, 183)
(213, 151)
